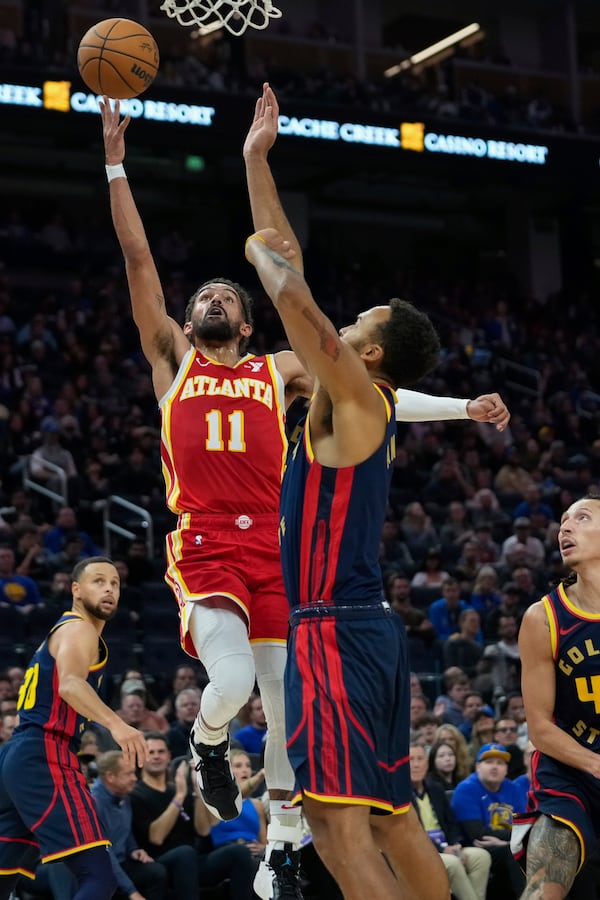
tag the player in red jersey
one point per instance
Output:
(223, 446)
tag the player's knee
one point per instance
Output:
(232, 681)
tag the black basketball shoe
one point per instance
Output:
(216, 783)
(279, 877)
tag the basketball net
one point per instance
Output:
(210, 15)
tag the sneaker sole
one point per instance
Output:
(219, 815)
(263, 882)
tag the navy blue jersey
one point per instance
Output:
(331, 522)
(40, 704)
(575, 639)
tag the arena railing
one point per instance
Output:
(112, 527)
(520, 378)
(60, 496)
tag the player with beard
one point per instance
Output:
(223, 450)
(46, 808)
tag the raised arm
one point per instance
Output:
(348, 416)
(538, 683)
(267, 211)
(163, 341)
(311, 334)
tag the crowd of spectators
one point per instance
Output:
(165, 842)
(470, 538)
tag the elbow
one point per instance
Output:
(136, 252)
(540, 735)
(66, 689)
(290, 290)
(156, 837)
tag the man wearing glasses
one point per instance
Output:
(506, 732)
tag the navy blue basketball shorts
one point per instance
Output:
(347, 708)
(567, 795)
(45, 803)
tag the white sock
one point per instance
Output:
(204, 735)
(285, 826)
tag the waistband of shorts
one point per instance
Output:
(228, 521)
(371, 611)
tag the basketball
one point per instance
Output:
(118, 57)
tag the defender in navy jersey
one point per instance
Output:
(46, 808)
(347, 675)
(560, 654)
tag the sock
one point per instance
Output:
(285, 826)
(203, 735)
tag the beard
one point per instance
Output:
(215, 330)
(96, 610)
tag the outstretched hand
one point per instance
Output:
(263, 131)
(489, 408)
(113, 131)
(271, 238)
(132, 742)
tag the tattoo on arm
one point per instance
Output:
(552, 858)
(328, 341)
(279, 261)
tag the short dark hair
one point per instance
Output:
(82, 565)
(410, 343)
(156, 736)
(245, 300)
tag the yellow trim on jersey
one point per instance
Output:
(276, 642)
(75, 615)
(353, 801)
(578, 835)
(52, 856)
(175, 579)
(102, 662)
(278, 388)
(26, 872)
(307, 439)
(550, 615)
(590, 617)
(173, 550)
(390, 410)
(165, 405)
(67, 612)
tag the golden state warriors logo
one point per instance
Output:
(501, 815)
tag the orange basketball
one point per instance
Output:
(118, 57)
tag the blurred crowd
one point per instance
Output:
(222, 63)
(469, 541)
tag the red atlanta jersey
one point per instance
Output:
(223, 438)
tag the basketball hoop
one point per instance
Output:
(210, 15)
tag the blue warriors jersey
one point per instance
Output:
(575, 639)
(331, 521)
(40, 704)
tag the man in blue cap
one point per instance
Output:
(484, 804)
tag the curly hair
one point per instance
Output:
(245, 300)
(410, 343)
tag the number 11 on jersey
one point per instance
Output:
(235, 425)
